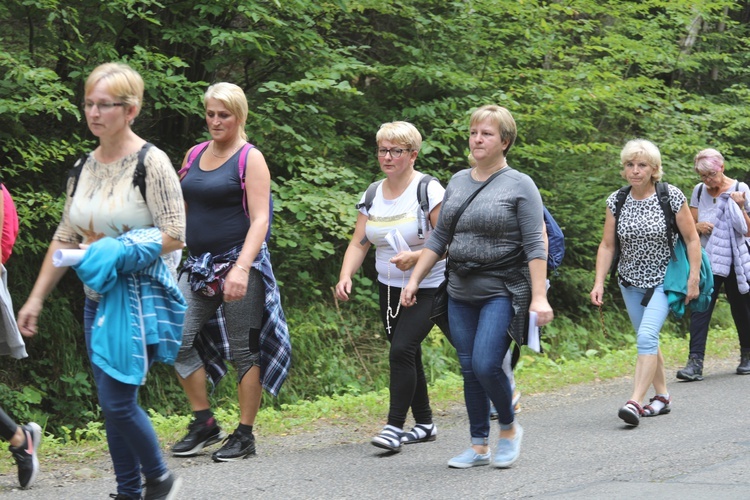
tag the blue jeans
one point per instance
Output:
(480, 336)
(133, 444)
(648, 320)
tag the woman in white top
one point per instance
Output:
(395, 224)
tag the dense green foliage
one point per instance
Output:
(581, 77)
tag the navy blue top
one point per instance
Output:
(216, 220)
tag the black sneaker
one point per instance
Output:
(198, 437)
(25, 455)
(166, 489)
(235, 447)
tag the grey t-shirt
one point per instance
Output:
(707, 204)
(505, 216)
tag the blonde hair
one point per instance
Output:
(708, 161)
(499, 116)
(401, 133)
(122, 81)
(641, 148)
(233, 98)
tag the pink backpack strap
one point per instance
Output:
(191, 158)
(242, 165)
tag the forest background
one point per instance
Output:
(581, 78)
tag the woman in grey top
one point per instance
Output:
(498, 268)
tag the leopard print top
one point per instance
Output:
(643, 238)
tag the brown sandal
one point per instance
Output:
(631, 413)
(648, 410)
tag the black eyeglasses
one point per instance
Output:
(395, 152)
(101, 106)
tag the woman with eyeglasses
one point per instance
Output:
(394, 222)
(642, 231)
(720, 207)
(125, 234)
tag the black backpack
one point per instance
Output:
(422, 199)
(139, 176)
(662, 193)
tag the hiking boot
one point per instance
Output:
(744, 366)
(200, 435)
(693, 371)
(236, 447)
(164, 489)
(25, 455)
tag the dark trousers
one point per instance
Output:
(408, 385)
(7, 426)
(740, 307)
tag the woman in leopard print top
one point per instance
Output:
(645, 253)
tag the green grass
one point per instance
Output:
(535, 373)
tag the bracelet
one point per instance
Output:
(237, 264)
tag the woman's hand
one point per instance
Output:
(343, 289)
(235, 284)
(704, 228)
(739, 198)
(597, 295)
(409, 294)
(28, 316)
(693, 290)
(543, 311)
(405, 260)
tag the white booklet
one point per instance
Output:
(397, 241)
(532, 339)
(65, 257)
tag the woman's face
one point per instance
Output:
(485, 144)
(638, 172)
(222, 124)
(713, 180)
(105, 115)
(391, 165)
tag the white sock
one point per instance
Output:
(658, 405)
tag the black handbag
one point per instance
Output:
(439, 313)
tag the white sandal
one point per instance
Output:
(420, 433)
(389, 438)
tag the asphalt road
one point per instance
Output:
(574, 447)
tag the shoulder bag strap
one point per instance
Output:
(466, 203)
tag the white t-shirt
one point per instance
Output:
(402, 214)
(707, 204)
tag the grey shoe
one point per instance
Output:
(693, 371)
(744, 367)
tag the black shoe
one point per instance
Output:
(744, 367)
(25, 455)
(120, 496)
(236, 447)
(198, 437)
(693, 371)
(166, 489)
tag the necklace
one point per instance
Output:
(213, 148)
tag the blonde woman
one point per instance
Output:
(645, 253)
(106, 204)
